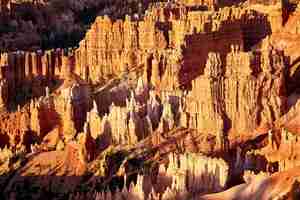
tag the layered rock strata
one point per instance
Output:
(241, 94)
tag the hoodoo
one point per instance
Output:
(156, 100)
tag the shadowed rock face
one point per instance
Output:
(187, 99)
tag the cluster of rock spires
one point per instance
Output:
(196, 173)
(189, 99)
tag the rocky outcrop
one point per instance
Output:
(111, 46)
(185, 178)
(241, 98)
(180, 101)
(262, 186)
(194, 173)
(28, 73)
(49, 169)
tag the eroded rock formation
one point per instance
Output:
(187, 99)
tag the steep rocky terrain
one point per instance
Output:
(46, 24)
(166, 100)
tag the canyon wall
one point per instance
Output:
(201, 51)
(247, 92)
(111, 47)
(31, 72)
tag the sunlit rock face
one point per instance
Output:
(189, 100)
(216, 67)
(222, 100)
(160, 39)
(177, 181)
(194, 173)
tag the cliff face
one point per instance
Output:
(178, 48)
(191, 94)
(172, 48)
(30, 72)
(247, 91)
(164, 33)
